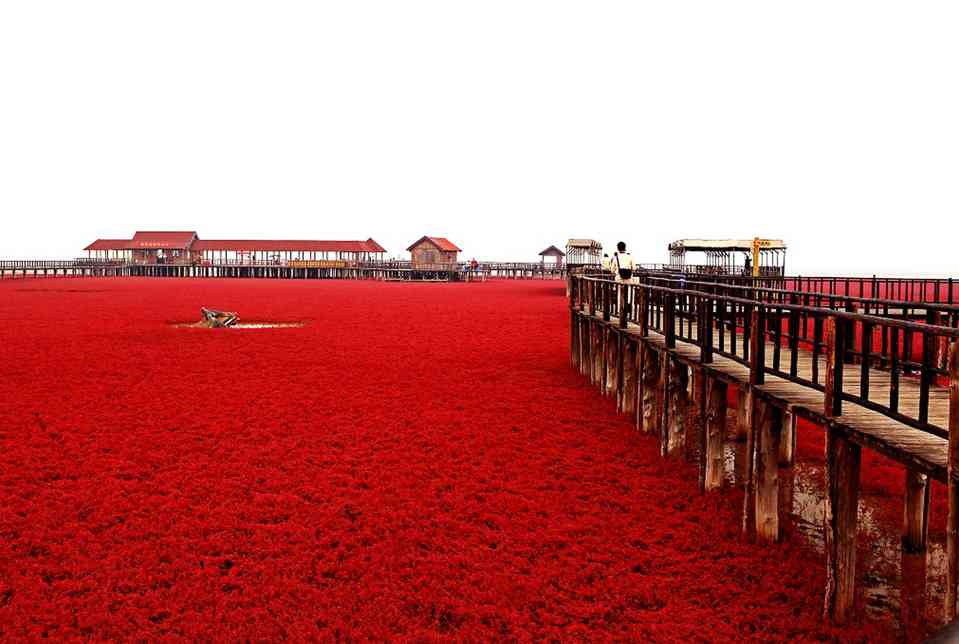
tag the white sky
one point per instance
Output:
(504, 125)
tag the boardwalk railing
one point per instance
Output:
(725, 325)
(882, 347)
(925, 289)
(82, 267)
(871, 380)
(10, 264)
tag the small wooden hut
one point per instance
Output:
(434, 251)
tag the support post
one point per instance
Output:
(742, 402)
(573, 336)
(613, 364)
(915, 520)
(678, 403)
(715, 430)
(696, 432)
(585, 341)
(662, 402)
(649, 391)
(787, 446)
(952, 523)
(627, 389)
(767, 430)
(598, 351)
(842, 504)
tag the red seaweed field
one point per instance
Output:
(414, 462)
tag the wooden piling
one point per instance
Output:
(598, 352)
(915, 521)
(612, 362)
(649, 391)
(742, 428)
(842, 504)
(787, 445)
(698, 378)
(584, 345)
(574, 336)
(715, 430)
(678, 407)
(767, 422)
(952, 523)
(630, 376)
(662, 402)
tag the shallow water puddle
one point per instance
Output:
(242, 325)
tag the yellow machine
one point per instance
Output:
(758, 246)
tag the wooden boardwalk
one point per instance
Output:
(674, 349)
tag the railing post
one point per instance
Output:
(623, 306)
(848, 347)
(706, 344)
(926, 375)
(643, 311)
(757, 345)
(607, 304)
(669, 319)
(835, 332)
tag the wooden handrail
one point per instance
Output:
(745, 327)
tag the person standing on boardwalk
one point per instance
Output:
(622, 264)
(607, 266)
(473, 271)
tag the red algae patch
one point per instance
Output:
(416, 462)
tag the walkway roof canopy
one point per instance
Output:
(583, 243)
(743, 245)
(296, 245)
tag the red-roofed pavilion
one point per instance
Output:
(172, 247)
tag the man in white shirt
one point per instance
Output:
(622, 264)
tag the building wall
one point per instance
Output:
(427, 253)
(151, 256)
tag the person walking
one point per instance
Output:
(622, 264)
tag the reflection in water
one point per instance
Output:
(904, 589)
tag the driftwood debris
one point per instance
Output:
(218, 319)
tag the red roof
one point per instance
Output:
(162, 239)
(440, 242)
(374, 247)
(296, 245)
(552, 250)
(110, 244)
